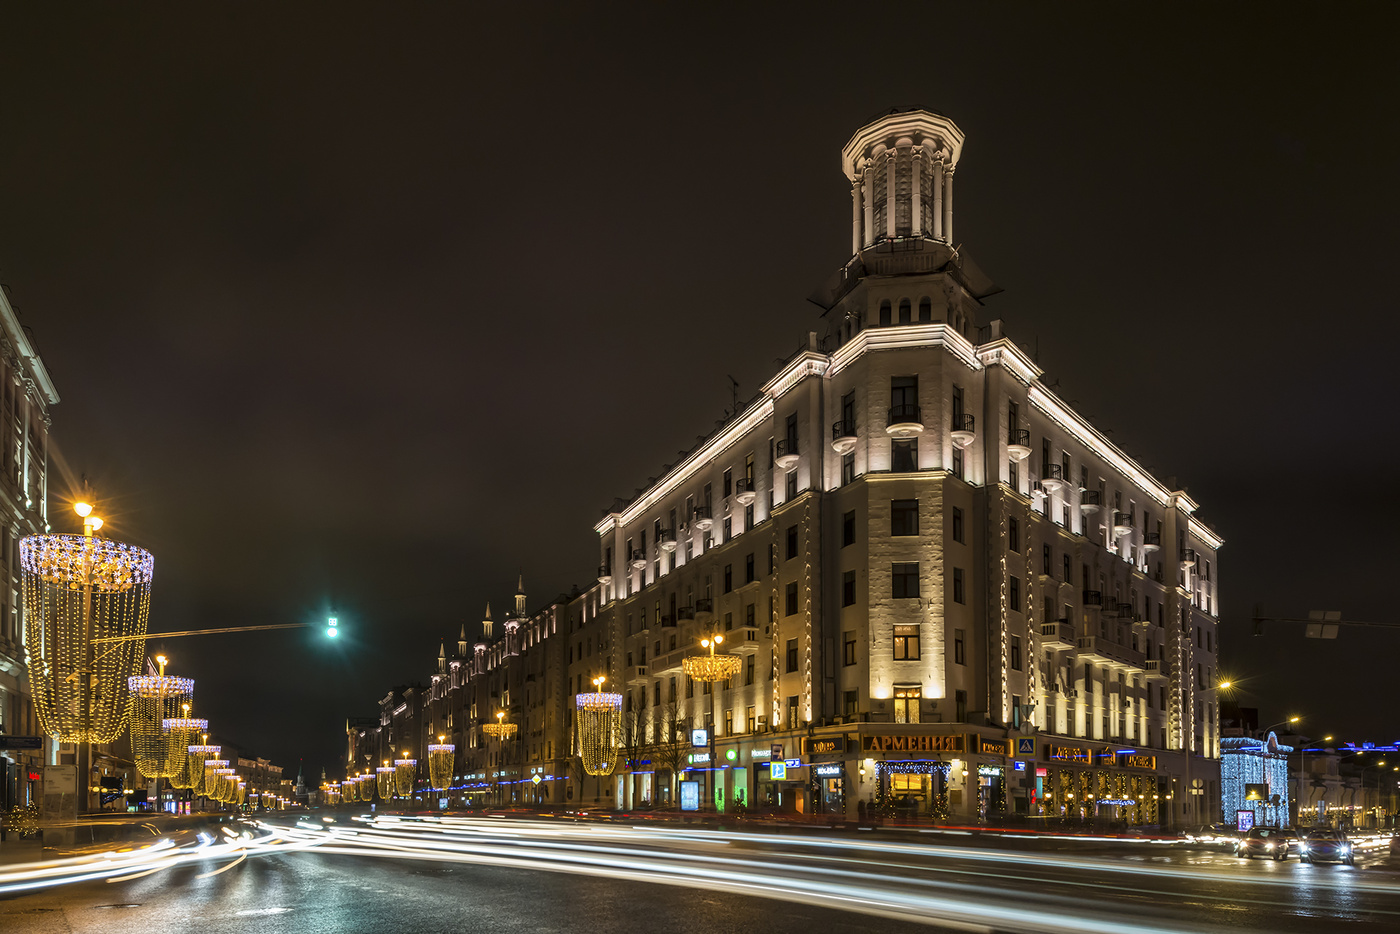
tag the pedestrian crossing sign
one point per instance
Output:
(1025, 747)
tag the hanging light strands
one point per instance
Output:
(78, 588)
(197, 756)
(712, 667)
(599, 725)
(156, 699)
(440, 758)
(209, 779)
(384, 781)
(179, 733)
(405, 771)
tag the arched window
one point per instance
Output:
(925, 310)
(885, 314)
(904, 311)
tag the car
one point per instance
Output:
(1272, 842)
(1200, 835)
(1326, 846)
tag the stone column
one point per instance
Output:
(869, 187)
(948, 205)
(938, 196)
(916, 201)
(855, 214)
(891, 168)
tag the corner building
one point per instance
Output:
(952, 593)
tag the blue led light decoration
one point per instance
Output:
(884, 769)
(1248, 761)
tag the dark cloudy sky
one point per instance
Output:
(375, 307)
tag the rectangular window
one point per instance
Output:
(848, 528)
(791, 486)
(752, 718)
(848, 588)
(791, 655)
(1015, 653)
(727, 484)
(906, 703)
(1047, 560)
(748, 669)
(749, 614)
(791, 542)
(791, 599)
(848, 651)
(1014, 593)
(960, 706)
(958, 595)
(904, 456)
(958, 525)
(851, 703)
(1066, 569)
(729, 723)
(904, 579)
(728, 621)
(848, 468)
(958, 462)
(906, 643)
(792, 712)
(1013, 534)
(749, 569)
(728, 578)
(959, 647)
(904, 517)
(728, 530)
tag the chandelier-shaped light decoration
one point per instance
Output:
(242, 793)
(347, 791)
(500, 730)
(384, 780)
(79, 590)
(197, 756)
(405, 771)
(179, 733)
(155, 699)
(223, 784)
(332, 792)
(440, 759)
(209, 781)
(712, 667)
(365, 786)
(599, 724)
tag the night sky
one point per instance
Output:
(374, 309)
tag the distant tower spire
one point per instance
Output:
(520, 598)
(486, 624)
(462, 642)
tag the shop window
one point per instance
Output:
(906, 703)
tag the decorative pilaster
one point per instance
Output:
(948, 204)
(916, 201)
(891, 171)
(938, 196)
(856, 188)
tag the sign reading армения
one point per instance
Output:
(955, 742)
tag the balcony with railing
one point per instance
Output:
(964, 430)
(1151, 541)
(843, 436)
(904, 421)
(702, 518)
(1018, 444)
(685, 613)
(666, 621)
(1093, 598)
(1057, 636)
(1053, 479)
(744, 640)
(1188, 558)
(1103, 651)
(704, 608)
(1090, 501)
(1122, 524)
(639, 559)
(604, 574)
(785, 455)
(635, 674)
(744, 492)
(1156, 670)
(666, 540)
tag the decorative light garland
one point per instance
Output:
(209, 783)
(384, 779)
(599, 725)
(156, 699)
(440, 759)
(197, 757)
(179, 732)
(77, 589)
(405, 771)
(712, 667)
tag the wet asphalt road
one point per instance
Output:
(1153, 887)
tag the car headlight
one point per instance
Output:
(1346, 847)
(1268, 846)
(1302, 848)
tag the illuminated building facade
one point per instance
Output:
(927, 560)
(26, 393)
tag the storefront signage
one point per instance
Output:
(1137, 761)
(1118, 802)
(994, 747)
(793, 763)
(699, 757)
(690, 796)
(699, 737)
(21, 742)
(989, 770)
(951, 743)
(761, 753)
(1071, 753)
(829, 771)
(824, 745)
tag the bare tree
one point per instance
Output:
(669, 750)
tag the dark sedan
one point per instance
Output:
(1272, 842)
(1326, 846)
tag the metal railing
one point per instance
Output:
(845, 428)
(1019, 436)
(964, 423)
(904, 415)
